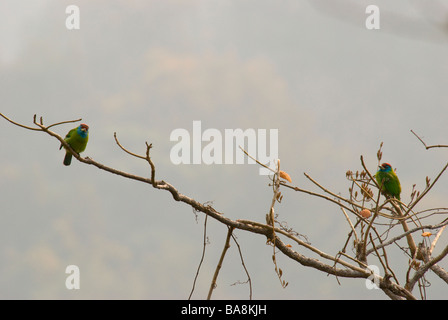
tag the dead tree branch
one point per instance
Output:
(369, 238)
(431, 146)
(219, 266)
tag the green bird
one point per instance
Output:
(77, 139)
(388, 181)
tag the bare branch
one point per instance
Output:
(20, 125)
(386, 243)
(350, 223)
(244, 266)
(126, 150)
(412, 205)
(426, 146)
(422, 270)
(62, 122)
(204, 244)
(274, 235)
(261, 164)
(146, 157)
(221, 259)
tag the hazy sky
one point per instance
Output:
(333, 89)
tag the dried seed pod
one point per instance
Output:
(365, 213)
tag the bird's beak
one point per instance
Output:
(381, 167)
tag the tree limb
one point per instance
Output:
(269, 230)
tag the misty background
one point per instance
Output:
(311, 69)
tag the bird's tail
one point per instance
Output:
(67, 158)
(401, 205)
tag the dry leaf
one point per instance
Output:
(285, 176)
(426, 234)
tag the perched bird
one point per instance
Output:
(388, 181)
(77, 139)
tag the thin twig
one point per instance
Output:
(386, 243)
(18, 124)
(204, 244)
(126, 150)
(323, 197)
(331, 193)
(426, 146)
(146, 157)
(221, 259)
(151, 164)
(368, 172)
(422, 270)
(353, 259)
(369, 225)
(63, 122)
(244, 266)
(261, 164)
(413, 204)
(350, 223)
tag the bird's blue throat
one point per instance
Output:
(82, 133)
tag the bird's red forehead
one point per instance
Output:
(84, 126)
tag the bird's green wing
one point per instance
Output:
(389, 183)
(394, 186)
(68, 136)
